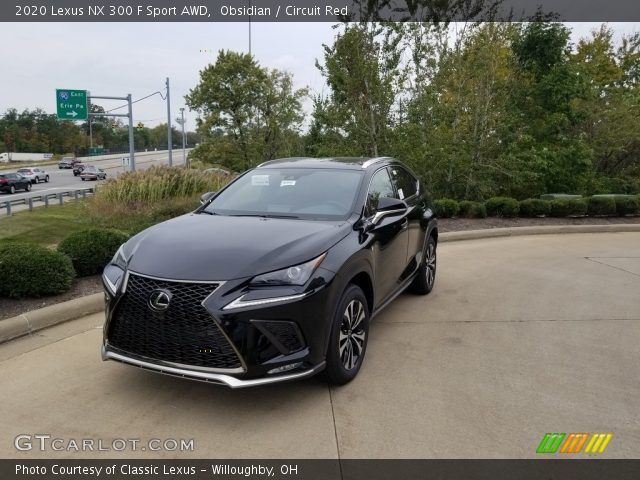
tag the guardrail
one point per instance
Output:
(77, 194)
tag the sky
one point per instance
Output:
(114, 59)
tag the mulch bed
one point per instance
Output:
(89, 285)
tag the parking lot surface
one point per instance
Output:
(521, 336)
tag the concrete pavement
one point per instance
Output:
(521, 336)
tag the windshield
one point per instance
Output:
(322, 194)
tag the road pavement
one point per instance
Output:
(521, 336)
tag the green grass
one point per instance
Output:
(45, 226)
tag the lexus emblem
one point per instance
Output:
(159, 300)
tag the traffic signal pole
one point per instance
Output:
(129, 115)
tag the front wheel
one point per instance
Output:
(12, 189)
(46, 179)
(426, 276)
(27, 188)
(348, 339)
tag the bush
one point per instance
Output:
(32, 271)
(446, 208)
(627, 205)
(601, 206)
(566, 207)
(502, 207)
(470, 209)
(90, 250)
(534, 207)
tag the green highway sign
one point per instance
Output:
(71, 104)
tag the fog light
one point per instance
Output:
(285, 368)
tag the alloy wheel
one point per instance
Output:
(430, 271)
(352, 334)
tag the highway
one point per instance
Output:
(62, 180)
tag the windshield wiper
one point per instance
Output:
(264, 215)
(207, 212)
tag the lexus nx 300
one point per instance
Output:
(276, 276)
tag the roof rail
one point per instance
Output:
(371, 161)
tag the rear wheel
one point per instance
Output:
(426, 276)
(348, 339)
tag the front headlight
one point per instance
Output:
(114, 271)
(119, 259)
(296, 275)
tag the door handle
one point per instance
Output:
(405, 224)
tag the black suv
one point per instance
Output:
(276, 276)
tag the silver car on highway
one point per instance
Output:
(35, 174)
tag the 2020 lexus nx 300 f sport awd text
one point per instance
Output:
(276, 276)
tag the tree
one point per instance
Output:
(257, 111)
(363, 72)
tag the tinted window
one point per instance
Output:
(299, 192)
(380, 187)
(405, 183)
(24, 170)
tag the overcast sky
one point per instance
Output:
(114, 59)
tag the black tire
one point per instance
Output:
(426, 276)
(349, 335)
(27, 188)
(12, 189)
(83, 179)
(37, 180)
(46, 179)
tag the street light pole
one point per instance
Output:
(169, 139)
(184, 152)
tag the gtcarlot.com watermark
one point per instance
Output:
(43, 442)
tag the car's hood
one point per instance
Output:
(216, 247)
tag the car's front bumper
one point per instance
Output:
(216, 378)
(273, 342)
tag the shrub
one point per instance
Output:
(470, 209)
(502, 207)
(566, 207)
(90, 250)
(534, 207)
(601, 206)
(446, 208)
(627, 205)
(32, 271)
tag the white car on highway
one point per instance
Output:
(35, 174)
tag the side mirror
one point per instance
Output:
(388, 207)
(205, 197)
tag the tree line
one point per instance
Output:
(37, 131)
(476, 109)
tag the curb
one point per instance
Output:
(31, 322)
(538, 230)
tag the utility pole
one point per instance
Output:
(184, 151)
(169, 139)
(131, 140)
(89, 119)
